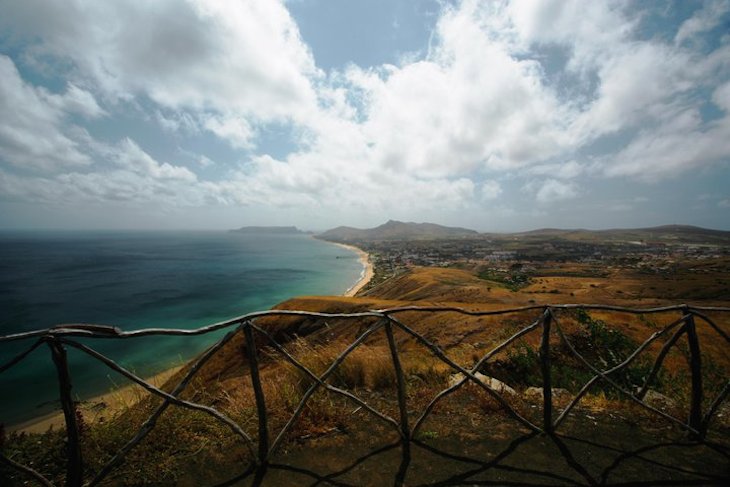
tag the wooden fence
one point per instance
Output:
(59, 338)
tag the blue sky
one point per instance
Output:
(494, 115)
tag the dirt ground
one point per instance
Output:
(590, 450)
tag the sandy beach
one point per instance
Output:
(97, 408)
(368, 270)
(104, 406)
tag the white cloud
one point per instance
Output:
(116, 185)
(485, 99)
(491, 190)
(235, 130)
(639, 83)
(130, 156)
(481, 98)
(31, 126)
(195, 54)
(76, 100)
(704, 19)
(133, 178)
(681, 143)
(567, 170)
(551, 190)
(132, 188)
(301, 180)
(721, 97)
(177, 122)
(205, 161)
(589, 28)
(468, 105)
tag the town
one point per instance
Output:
(514, 261)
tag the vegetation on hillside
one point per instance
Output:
(513, 278)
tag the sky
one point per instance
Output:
(492, 115)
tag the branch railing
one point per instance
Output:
(61, 337)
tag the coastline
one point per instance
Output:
(97, 408)
(106, 405)
(368, 269)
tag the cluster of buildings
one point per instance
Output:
(393, 256)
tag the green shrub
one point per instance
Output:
(602, 346)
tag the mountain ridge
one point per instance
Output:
(396, 230)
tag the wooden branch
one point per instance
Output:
(616, 368)
(695, 363)
(400, 381)
(473, 370)
(710, 322)
(715, 405)
(149, 424)
(605, 377)
(390, 421)
(547, 383)
(112, 332)
(74, 462)
(18, 358)
(313, 388)
(439, 354)
(26, 470)
(659, 361)
(58, 336)
(253, 365)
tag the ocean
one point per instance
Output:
(139, 280)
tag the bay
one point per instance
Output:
(139, 280)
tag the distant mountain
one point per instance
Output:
(664, 233)
(684, 230)
(395, 230)
(277, 230)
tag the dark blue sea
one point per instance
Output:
(139, 280)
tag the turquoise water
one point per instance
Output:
(139, 280)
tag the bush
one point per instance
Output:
(599, 344)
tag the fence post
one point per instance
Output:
(547, 391)
(74, 465)
(400, 382)
(253, 365)
(695, 364)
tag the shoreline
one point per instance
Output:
(367, 273)
(103, 406)
(97, 408)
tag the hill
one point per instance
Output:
(332, 430)
(663, 233)
(395, 230)
(402, 231)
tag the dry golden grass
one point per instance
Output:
(367, 366)
(225, 382)
(703, 281)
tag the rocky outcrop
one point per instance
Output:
(534, 394)
(495, 384)
(658, 400)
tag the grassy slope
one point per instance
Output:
(224, 382)
(455, 287)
